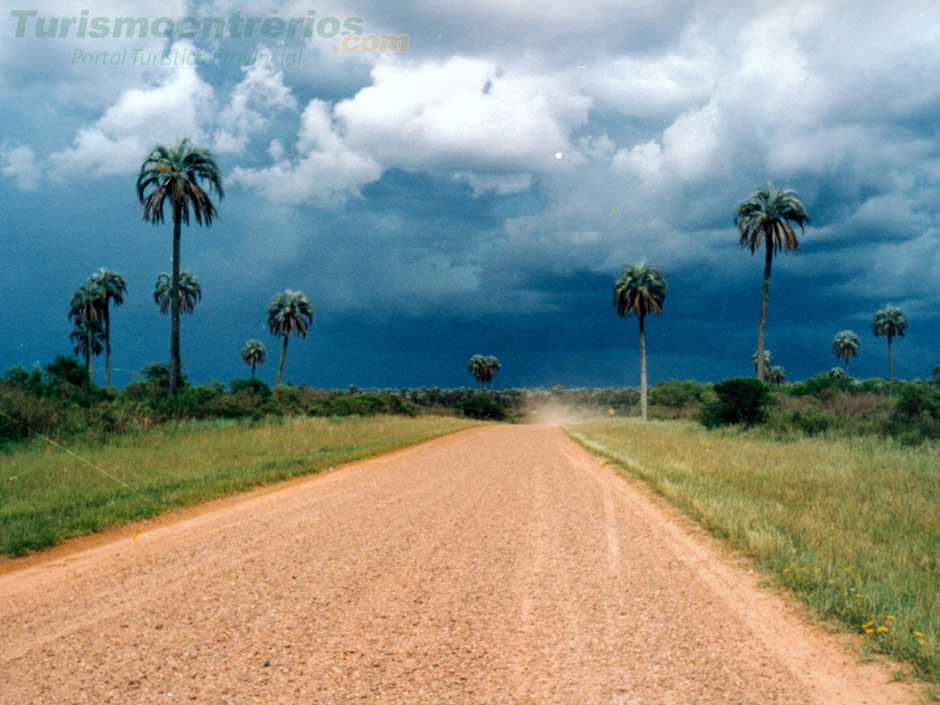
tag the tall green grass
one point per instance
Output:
(47, 495)
(851, 527)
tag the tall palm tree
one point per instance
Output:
(845, 346)
(889, 322)
(189, 291)
(174, 174)
(86, 308)
(114, 288)
(766, 217)
(289, 312)
(640, 291)
(254, 353)
(768, 360)
(88, 336)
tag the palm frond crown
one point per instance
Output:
(174, 174)
(889, 321)
(112, 284)
(640, 290)
(768, 214)
(845, 344)
(87, 302)
(290, 313)
(254, 352)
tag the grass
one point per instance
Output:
(851, 527)
(47, 495)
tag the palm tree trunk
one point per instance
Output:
(89, 341)
(107, 345)
(252, 368)
(761, 369)
(642, 369)
(890, 368)
(175, 305)
(280, 366)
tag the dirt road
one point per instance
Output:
(499, 565)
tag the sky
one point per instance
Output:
(479, 190)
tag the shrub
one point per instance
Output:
(676, 394)
(812, 420)
(252, 385)
(482, 406)
(917, 410)
(739, 400)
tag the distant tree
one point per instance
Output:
(174, 174)
(476, 366)
(777, 375)
(936, 374)
(483, 368)
(845, 346)
(88, 336)
(86, 307)
(492, 367)
(190, 291)
(254, 353)
(889, 322)
(640, 291)
(114, 288)
(766, 217)
(289, 312)
(768, 360)
(837, 374)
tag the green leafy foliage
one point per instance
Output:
(916, 415)
(739, 400)
(484, 407)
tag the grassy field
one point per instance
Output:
(47, 495)
(851, 527)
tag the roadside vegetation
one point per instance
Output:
(849, 525)
(48, 494)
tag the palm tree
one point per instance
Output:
(765, 217)
(476, 366)
(289, 312)
(777, 375)
(640, 291)
(483, 367)
(845, 346)
(88, 336)
(86, 308)
(114, 288)
(174, 174)
(889, 322)
(189, 291)
(491, 367)
(768, 360)
(254, 353)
